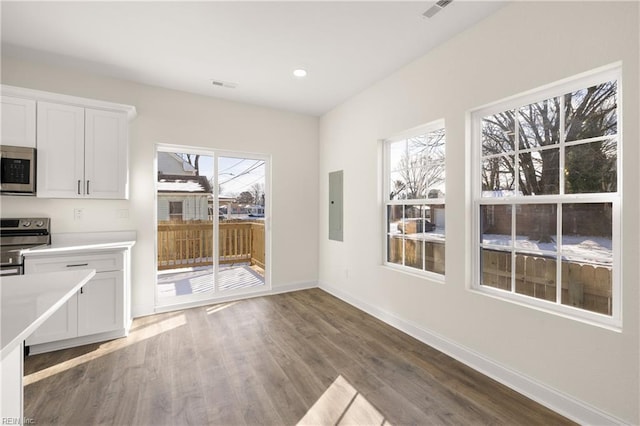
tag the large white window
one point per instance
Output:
(414, 185)
(547, 185)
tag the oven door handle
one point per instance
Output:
(23, 233)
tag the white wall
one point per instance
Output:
(523, 46)
(172, 117)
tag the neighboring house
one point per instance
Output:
(182, 198)
(181, 194)
(172, 164)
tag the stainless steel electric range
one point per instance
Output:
(18, 234)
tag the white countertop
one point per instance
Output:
(80, 242)
(28, 300)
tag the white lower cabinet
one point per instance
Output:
(95, 313)
(100, 304)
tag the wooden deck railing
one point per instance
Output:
(189, 244)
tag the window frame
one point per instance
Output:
(386, 202)
(474, 137)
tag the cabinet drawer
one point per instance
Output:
(99, 262)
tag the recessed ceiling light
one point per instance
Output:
(300, 73)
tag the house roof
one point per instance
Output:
(181, 183)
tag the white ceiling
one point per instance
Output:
(345, 46)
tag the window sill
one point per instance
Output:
(425, 275)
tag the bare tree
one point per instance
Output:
(257, 191)
(421, 167)
(589, 167)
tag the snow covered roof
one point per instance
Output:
(179, 183)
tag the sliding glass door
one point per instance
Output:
(211, 234)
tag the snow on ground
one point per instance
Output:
(587, 249)
(575, 248)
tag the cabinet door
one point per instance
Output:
(18, 122)
(101, 304)
(63, 324)
(60, 151)
(106, 154)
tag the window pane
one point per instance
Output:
(498, 177)
(394, 249)
(539, 172)
(436, 145)
(434, 257)
(418, 151)
(498, 133)
(587, 233)
(536, 276)
(539, 124)
(496, 268)
(394, 217)
(587, 286)
(436, 216)
(536, 227)
(591, 112)
(495, 221)
(416, 181)
(413, 253)
(397, 186)
(435, 179)
(396, 151)
(411, 221)
(587, 256)
(591, 167)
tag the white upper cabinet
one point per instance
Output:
(82, 144)
(105, 154)
(60, 167)
(18, 122)
(82, 152)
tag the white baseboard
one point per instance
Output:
(77, 341)
(286, 288)
(139, 311)
(142, 310)
(559, 402)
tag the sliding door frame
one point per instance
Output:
(187, 301)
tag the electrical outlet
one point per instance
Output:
(78, 214)
(123, 213)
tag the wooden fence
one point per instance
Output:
(583, 285)
(190, 244)
(414, 252)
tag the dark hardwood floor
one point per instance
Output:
(267, 361)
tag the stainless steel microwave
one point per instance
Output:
(18, 170)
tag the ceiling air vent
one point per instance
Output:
(226, 84)
(436, 8)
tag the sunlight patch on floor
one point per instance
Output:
(140, 334)
(342, 404)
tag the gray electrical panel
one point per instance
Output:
(335, 205)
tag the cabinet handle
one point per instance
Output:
(81, 290)
(87, 187)
(78, 264)
(78, 187)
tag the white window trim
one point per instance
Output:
(474, 120)
(416, 131)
